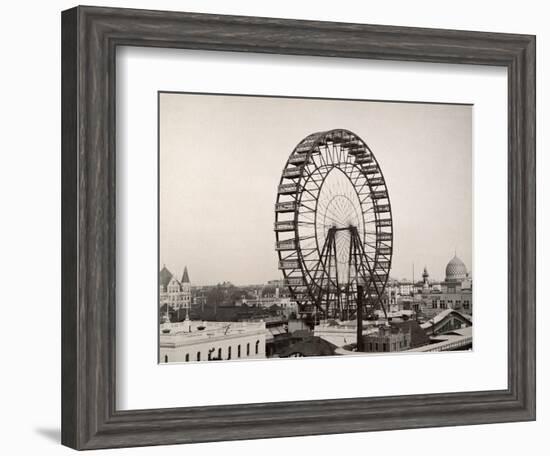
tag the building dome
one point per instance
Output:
(455, 270)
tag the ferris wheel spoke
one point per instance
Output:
(334, 220)
(309, 253)
(307, 201)
(288, 256)
(366, 198)
(306, 218)
(310, 215)
(359, 176)
(311, 180)
(307, 207)
(335, 217)
(365, 184)
(333, 208)
(311, 194)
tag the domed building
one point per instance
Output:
(430, 297)
(457, 277)
(456, 270)
(455, 292)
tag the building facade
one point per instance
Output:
(387, 339)
(174, 293)
(455, 292)
(337, 333)
(273, 295)
(431, 297)
(192, 341)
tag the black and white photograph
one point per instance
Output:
(303, 227)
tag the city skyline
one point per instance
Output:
(418, 270)
(221, 224)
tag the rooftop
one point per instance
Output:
(185, 276)
(418, 336)
(453, 340)
(190, 332)
(164, 277)
(310, 346)
(442, 315)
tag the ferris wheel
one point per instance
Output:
(333, 226)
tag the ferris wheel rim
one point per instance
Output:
(315, 140)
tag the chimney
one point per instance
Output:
(360, 346)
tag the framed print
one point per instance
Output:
(336, 221)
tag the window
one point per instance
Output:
(239, 351)
(187, 358)
(198, 356)
(257, 346)
(248, 349)
(165, 358)
(229, 352)
(219, 353)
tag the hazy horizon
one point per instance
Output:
(221, 158)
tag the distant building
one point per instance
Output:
(274, 293)
(297, 324)
(188, 341)
(308, 346)
(277, 283)
(338, 333)
(458, 339)
(342, 333)
(448, 320)
(431, 297)
(455, 292)
(387, 339)
(174, 293)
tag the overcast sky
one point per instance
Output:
(221, 158)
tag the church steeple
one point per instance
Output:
(185, 276)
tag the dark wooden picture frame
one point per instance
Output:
(90, 37)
